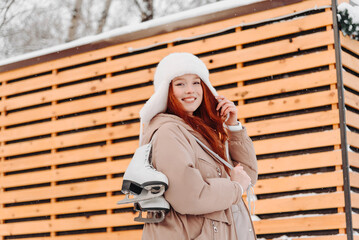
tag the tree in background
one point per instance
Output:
(29, 25)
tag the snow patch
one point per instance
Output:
(352, 10)
(196, 12)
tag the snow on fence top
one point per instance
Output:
(165, 21)
(352, 10)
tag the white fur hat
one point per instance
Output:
(171, 66)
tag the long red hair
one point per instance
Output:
(205, 120)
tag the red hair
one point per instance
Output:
(205, 120)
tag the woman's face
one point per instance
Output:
(188, 91)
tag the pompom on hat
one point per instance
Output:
(170, 67)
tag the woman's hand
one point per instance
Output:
(227, 107)
(240, 176)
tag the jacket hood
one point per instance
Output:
(171, 66)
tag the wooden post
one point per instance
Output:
(2, 160)
(53, 151)
(108, 142)
(345, 188)
(240, 84)
(336, 126)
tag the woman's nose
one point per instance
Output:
(189, 88)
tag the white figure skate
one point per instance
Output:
(156, 209)
(141, 179)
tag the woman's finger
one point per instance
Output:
(225, 108)
(228, 105)
(220, 104)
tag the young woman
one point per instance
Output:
(205, 196)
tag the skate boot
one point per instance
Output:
(156, 209)
(141, 179)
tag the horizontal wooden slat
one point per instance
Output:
(351, 99)
(127, 96)
(352, 119)
(123, 114)
(325, 222)
(74, 91)
(270, 49)
(354, 179)
(292, 123)
(355, 221)
(353, 158)
(354, 199)
(284, 85)
(297, 142)
(123, 80)
(351, 80)
(303, 182)
(350, 61)
(299, 162)
(121, 219)
(67, 124)
(300, 203)
(118, 235)
(65, 207)
(73, 156)
(69, 140)
(67, 190)
(353, 139)
(62, 174)
(288, 104)
(349, 43)
(274, 67)
(199, 30)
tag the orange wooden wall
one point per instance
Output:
(350, 64)
(69, 126)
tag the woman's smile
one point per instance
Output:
(189, 99)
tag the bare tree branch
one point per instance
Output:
(104, 16)
(146, 11)
(76, 12)
(8, 5)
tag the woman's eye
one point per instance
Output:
(179, 84)
(197, 82)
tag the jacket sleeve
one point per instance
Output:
(188, 192)
(242, 152)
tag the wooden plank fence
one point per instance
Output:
(69, 126)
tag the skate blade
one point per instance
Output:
(154, 219)
(145, 195)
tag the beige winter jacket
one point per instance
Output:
(200, 193)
